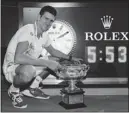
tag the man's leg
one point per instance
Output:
(34, 90)
(46, 72)
(24, 74)
(41, 76)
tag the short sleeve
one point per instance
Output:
(23, 34)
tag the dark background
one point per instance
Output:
(83, 19)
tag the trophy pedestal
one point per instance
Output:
(73, 96)
(72, 99)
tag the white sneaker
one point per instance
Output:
(17, 99)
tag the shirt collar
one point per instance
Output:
(35, 30)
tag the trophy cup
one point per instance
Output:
(73, 96)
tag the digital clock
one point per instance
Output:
(109, 53)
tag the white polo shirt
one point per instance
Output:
(36, 45)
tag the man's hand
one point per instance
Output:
(77, 60)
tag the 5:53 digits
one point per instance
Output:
(91, 53)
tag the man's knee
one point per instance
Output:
(25, 72)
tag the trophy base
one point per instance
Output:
(72, 106)
(72, 99)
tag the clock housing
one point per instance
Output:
(63, 37)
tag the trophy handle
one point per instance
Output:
(86, 68)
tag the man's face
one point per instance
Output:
(46, 21)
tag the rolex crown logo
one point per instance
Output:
(107, 21)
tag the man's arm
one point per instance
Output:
(22, 58)
(56, 53)
(59, 54)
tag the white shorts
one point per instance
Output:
(9, 72)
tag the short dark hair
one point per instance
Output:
(49, 9)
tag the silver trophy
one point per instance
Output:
(73, 96)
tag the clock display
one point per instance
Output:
(109, 53)
(63, 36)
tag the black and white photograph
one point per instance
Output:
(64, 56)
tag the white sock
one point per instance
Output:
(36, 82)
(14, 89)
